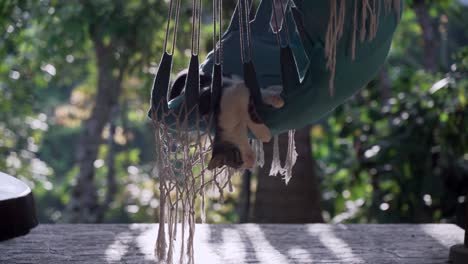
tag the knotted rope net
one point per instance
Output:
(182, 157)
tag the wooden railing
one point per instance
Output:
(249, 243)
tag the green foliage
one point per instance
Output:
(48, 80)
(400, 159)
(397, 152)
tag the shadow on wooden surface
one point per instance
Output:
(250, 243)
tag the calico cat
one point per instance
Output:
(234, 118)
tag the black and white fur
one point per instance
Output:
(235, 116)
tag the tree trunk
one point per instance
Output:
(84, 204)
(299, 201)
(430, 59)
(111, 182)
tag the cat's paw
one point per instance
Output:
(272, 96)
(260, 131)
(275, 100)
(265, 136)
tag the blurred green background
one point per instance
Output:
(75, 78)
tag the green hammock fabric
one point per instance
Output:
(309, 100)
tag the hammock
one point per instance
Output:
(320, 51)
(336, 47)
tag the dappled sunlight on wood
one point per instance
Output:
(237, 244)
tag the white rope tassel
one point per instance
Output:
(259, 153)
(285, 172)
(291, 157)
(276, 162)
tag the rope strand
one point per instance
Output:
(176, 27)
(220, 31)
(217, 33)
(284, 22)
(169, 17)
(279, 26)
(215, 50)
(241, 29)
(194, 14)
(277, 29)
(199, 26)
(196, 26)
(365, 25)
(247, 23)
(170, 13)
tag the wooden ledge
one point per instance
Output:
(250, 243)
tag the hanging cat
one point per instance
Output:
(234, 118)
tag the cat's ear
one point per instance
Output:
(217, 161)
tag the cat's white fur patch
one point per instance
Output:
(234, 118)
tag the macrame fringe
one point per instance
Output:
(257, 146)
(181, 160)
(291, 158)
(370, 12)
(276, 167)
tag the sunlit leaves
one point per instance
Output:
(405, 149)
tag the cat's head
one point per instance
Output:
(225, 154)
